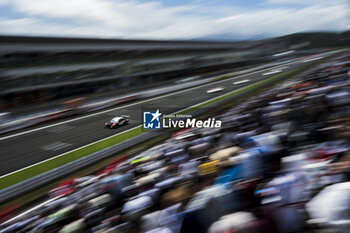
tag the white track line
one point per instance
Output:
(128, 129)
(68, 152)
(116, 134)
(132, 104)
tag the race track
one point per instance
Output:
(30, 146)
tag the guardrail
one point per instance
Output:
(47, 177)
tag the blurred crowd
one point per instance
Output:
(279, 164)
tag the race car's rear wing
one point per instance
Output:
(126, 116)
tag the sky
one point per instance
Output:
(172, 19)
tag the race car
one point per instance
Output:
(117, 122)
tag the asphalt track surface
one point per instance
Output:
(30, 146)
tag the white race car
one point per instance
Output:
(117, 122)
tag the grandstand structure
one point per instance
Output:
(36, 69)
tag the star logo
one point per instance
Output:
(151, 120)
(156, 115)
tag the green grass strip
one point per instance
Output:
(90, 149)
(66, 158)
